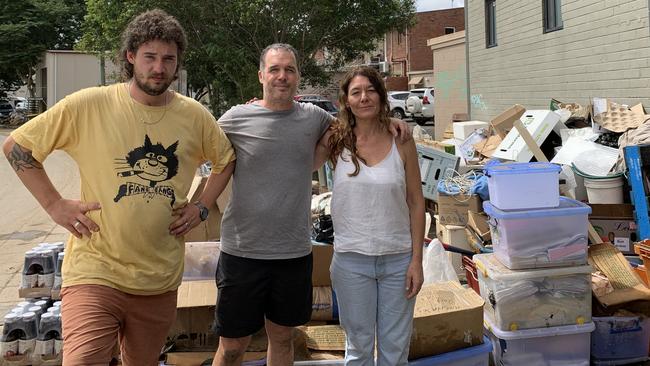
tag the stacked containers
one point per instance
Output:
(536, 284)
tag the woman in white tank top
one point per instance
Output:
(378, 215)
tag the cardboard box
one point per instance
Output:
(539, 123)
(32, 293)
(322, 255)
(503, 122)
(621, 284)
(615, 224)
(454, 235)
(192, 330)
(210, 229)
(452, 210)
(447, 317)
(434, 165)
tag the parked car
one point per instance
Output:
(306, 97)
(420, 104)
(325, 104)
(397, 101)
(6, 109)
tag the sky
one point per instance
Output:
(428, 5)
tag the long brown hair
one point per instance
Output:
(343, 136)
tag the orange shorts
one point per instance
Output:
(95, 316)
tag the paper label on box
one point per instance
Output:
(29, 281)
(45, 280)
(26, 346)
(9, 349)
(45, 347)
(622, 243)
(563, 252)
(58, 346)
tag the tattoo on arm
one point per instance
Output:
(21, 159)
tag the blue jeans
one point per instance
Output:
(371, 294)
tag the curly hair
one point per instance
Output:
(151, 25)
(343, 136)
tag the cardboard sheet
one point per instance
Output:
(326, 338)
(626, 284)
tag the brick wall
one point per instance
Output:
(428, 25)
(603, 51)
(431, 24)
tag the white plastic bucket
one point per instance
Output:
(605, 190)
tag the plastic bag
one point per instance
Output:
(436, 264)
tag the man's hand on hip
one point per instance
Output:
(71, 214)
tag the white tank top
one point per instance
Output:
(369, 211)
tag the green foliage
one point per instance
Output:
(30, 27)
(226, 36)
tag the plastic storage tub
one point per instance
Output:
(516, 186)
(201, 260)
(550, 237)
(566, 345)
(620, 337)
(472, 356)
(533, 298)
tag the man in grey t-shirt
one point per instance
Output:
(264, 271)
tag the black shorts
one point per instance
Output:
(253, 289)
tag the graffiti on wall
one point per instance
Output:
(476, 101)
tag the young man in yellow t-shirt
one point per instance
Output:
(137, 145)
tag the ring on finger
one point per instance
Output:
(187, 223)
(76, 224)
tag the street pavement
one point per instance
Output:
(23, 223)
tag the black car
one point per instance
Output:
(5, 109)
(324, 104)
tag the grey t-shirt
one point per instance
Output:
(268, 215)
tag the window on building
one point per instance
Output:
(490, 23)
(450, 30)
(552, 15)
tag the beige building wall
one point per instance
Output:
(602, 51)
(449, 79)
(70, 71)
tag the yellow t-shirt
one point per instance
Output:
(139, 169)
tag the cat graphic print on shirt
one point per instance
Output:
(152, 164)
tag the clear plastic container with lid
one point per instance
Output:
(565, 345)
(550, 237)
(515, 186)
(536, 298)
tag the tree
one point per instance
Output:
(226, 36)
(27, 29)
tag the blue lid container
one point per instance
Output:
(455, 357)
(568, 207)
(521, 168)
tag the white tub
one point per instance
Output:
(535, 298)
(556, 346)
(517, 186)
(550, 237)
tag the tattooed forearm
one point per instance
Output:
(21, 159)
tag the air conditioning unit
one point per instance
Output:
(383, 66)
